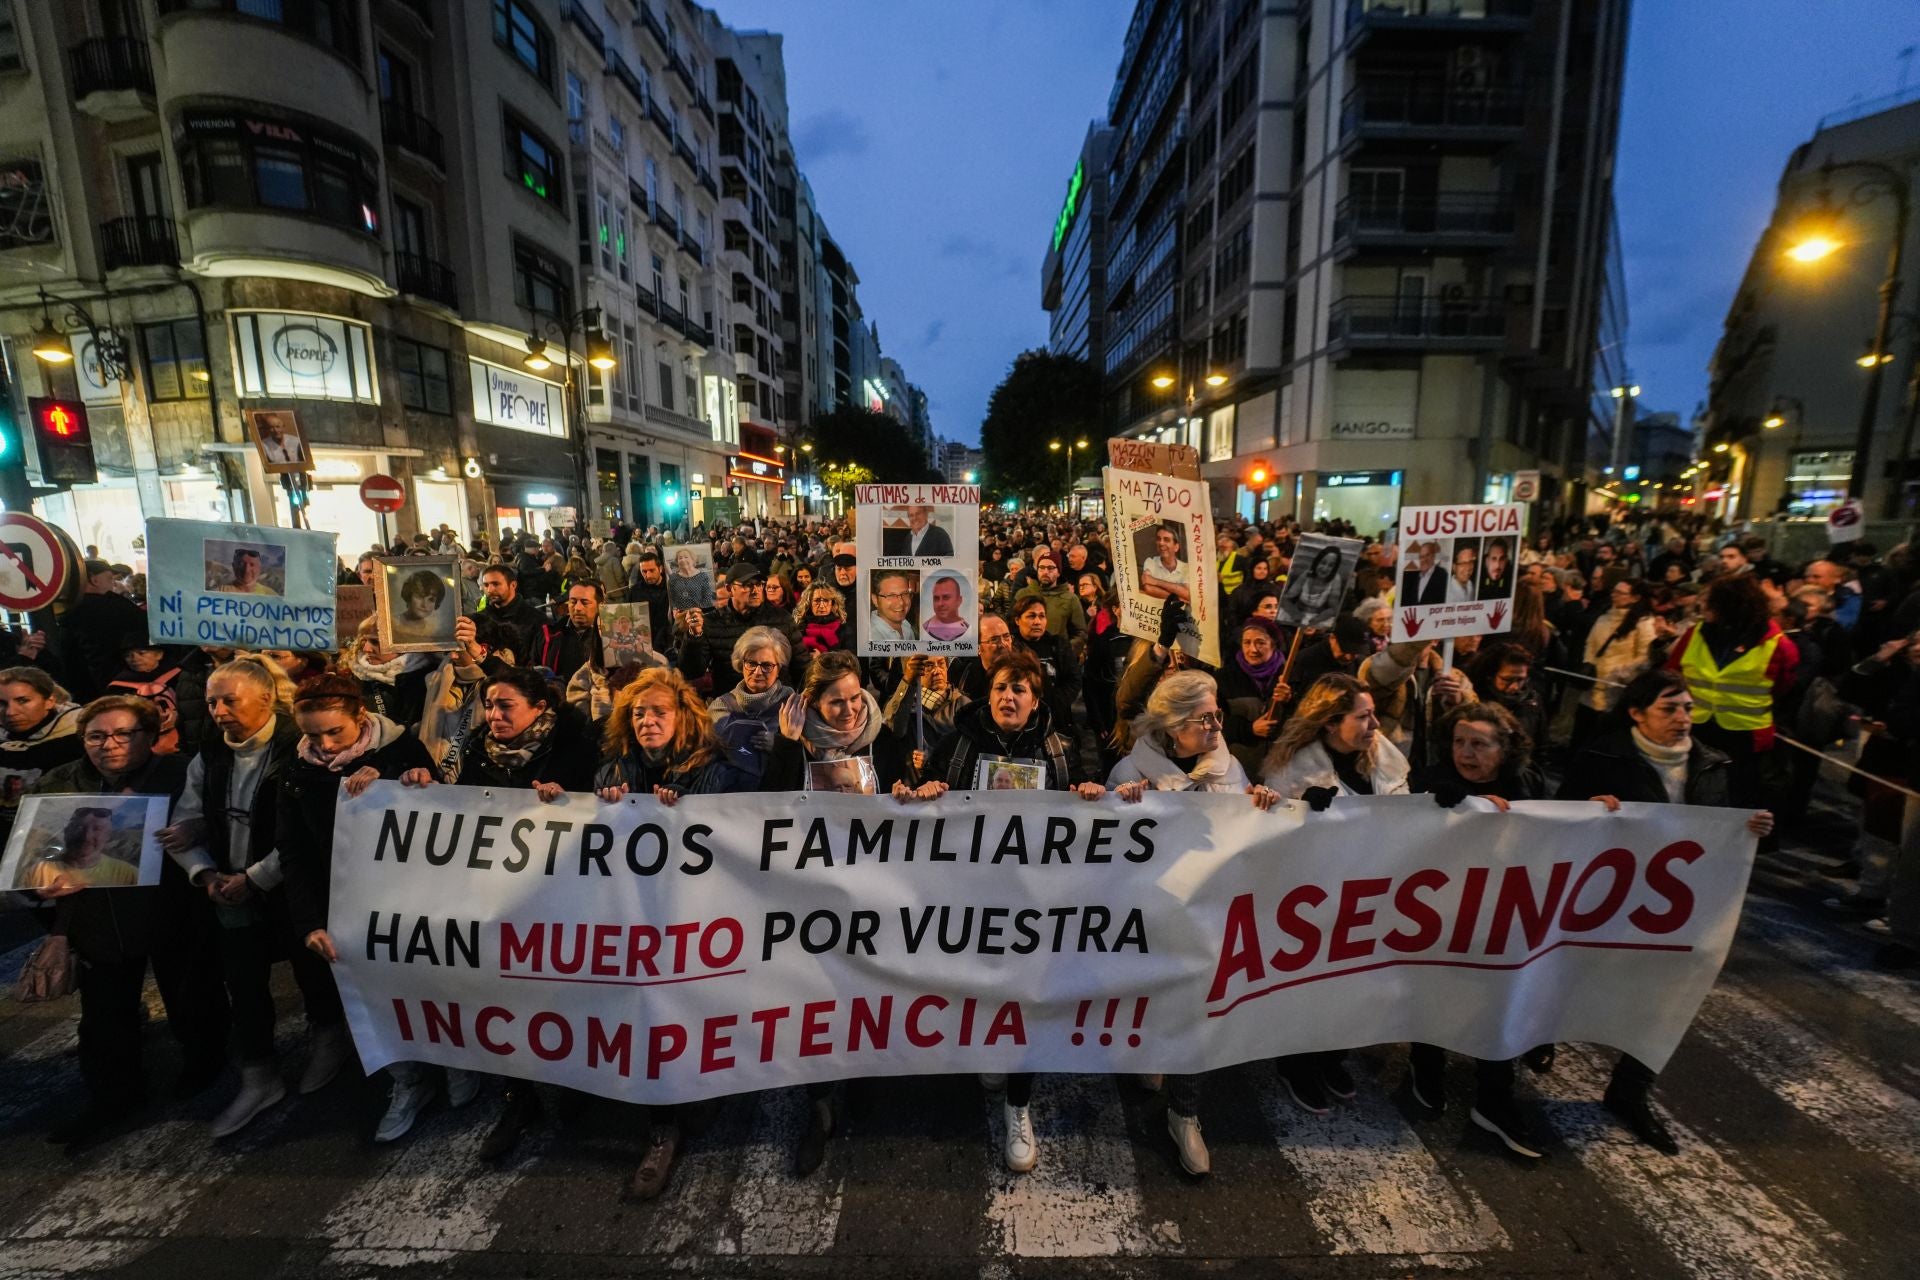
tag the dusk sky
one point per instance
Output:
(939, 140)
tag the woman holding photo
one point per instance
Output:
(1014, 722)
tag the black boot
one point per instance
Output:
(522, 1110)
(1634, 1108)
(813, 1143)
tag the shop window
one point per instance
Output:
(312, 357)
(25, 205)
(521, 33)
(276, 162)
(422, 373)
(532, 161)
(175, 360)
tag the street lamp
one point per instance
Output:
(1068, 450)
(50, 346)
(1879, 180)
(598, 353)
(1167, 379)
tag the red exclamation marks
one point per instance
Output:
(1139, 1016)
(1113, 1011)
(1079, 1021)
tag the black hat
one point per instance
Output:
(844, 562)
(1349, 633)
(743, 574)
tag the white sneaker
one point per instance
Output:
(1023, 1150)
(1188, 1142)
(260, 1087)
(330, 1051)
(462, 1086)
(405, 1102)
(992, 1081)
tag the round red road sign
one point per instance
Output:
(34, 567)
(383, 493)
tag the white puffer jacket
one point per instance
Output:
(1311, 767)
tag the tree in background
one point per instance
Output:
(858, 446)
(1044, 397)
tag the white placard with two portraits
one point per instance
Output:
(918, 548)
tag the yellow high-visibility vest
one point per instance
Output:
(1738, 696)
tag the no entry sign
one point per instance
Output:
(33, 566)
(383, 494)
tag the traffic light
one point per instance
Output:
(64, 440)
(669, 497)
(1257, 477)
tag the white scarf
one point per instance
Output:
(1669, 762)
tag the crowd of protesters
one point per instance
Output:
(1653, 661)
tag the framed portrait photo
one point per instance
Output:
(417, 601)
(853, 775)
(1004, 773)
(277, 437)
(89, 842)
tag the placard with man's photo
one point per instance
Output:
(64, 843)
(918, 551)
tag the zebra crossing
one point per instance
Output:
(1794, 1098)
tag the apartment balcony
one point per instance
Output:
(414, 133)
(1431, 109)
(698, 334)
(705, 176)
(678, 66)
(649, 22)
(1427, 17)
(1454, 221)
(657, 114)
(422, 277)
(1465, 323)
(648, 303)
(666, 221)
(112, 78)
(703, 104)
(138, 242)
(692, 247)
(584, 22)
(684, 149)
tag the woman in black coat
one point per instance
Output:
(1651, 757)
(834, 718)
(531, 739)
(345, 747)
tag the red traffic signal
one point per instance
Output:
(63, 439)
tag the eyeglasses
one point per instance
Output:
(759, 666)
(1210, 720)
(119, 737)
(893, 595)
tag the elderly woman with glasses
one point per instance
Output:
(747, 716)
(1178, 746)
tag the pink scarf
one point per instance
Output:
(339, 760)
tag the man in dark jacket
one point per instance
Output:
(565, 647)
(90, 631)
(116, 933)
(711, 632)
(648, 586)
(500, 586)
(1340, 652)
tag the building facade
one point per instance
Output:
(1073, 275)
(1787, 390)
(1360, 245)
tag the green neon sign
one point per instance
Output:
(1076, 188)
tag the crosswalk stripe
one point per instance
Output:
(432, 1200)
(682, 1221)
(772, 1211)
(1082, 1200)
(1780, 929)
(1375, 1186)
(1716, 1224)
(1821, 1082)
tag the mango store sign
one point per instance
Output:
(517, 400)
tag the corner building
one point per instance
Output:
(1362, 243)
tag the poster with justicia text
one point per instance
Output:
(918, 547)
(1458, 566)
(1162, 531)
(240, 586)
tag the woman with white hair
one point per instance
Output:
(1178, 746)
(747, 716)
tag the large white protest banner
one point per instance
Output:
(1458, 567)
(1162, 532)
(748, 941)
(241, 586)
(918, 546)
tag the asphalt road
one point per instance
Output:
(1796, 1096)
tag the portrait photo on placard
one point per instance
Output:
(625, 634)
(1463, 576)
(690, 576)
(86, 842)
(276, 436)
(1160, 552)
(947, 606)
(1424, 571)
(1002, 773)
(916, 530)
(852, 775)
(894, 605)
(417, 599)
(1318, 579)
(245, 568)
(1496, 569)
